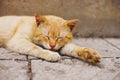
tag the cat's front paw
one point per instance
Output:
(52, 56)
(89, 55)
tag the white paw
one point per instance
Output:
(52, 56)
(89, 55)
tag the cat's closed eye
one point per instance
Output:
(59, 38)
(47, 37)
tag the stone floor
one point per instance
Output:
(21, 67)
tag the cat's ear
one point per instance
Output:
(71, 23)
(40, 19)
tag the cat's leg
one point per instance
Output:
(83, 53)
(24, 46)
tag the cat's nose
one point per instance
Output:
(52, 45)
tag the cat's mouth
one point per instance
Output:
(51, 49)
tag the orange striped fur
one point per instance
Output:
(25, 34)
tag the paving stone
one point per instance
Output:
(67, 68)
(104, 48)
(115, 41)
(110, 72)
(13, 70)
(5, 54)
(117, 77)
(74, 69)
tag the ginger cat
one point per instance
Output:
(25, 34)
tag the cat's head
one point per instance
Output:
(53, 32)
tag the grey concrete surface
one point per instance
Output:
(14, 66)
(96, 17)
(5, 54)
(13, 70)
(114, 42)
(74, 69)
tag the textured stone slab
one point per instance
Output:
(115, 41)
(74, 69)
(110, 70)
(117, 77)
(13, 70)
(5, 54)
(104, 48)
